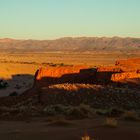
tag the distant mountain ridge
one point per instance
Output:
(72, 44)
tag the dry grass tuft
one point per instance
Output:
(86, 138)
(131, 115)
(111, 122)
(74, 87)
(78, 112)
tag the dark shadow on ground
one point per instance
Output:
(17, 84)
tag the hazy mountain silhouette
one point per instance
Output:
(72, 44)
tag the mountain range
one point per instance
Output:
(82, 44)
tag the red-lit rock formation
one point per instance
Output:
(57, 75)
(45, 78)
(114, 69)
(123, 69)
(57, 71)
(125, 75)
(130, 68)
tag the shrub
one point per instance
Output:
(102, 112)
(132, 105)
(131, 115)
(82, 111)
(4, 109)
(115, 111)
(3, 84)
(86, 138)
(111, 122)
(49, 110)
(77, 112)
(13, 94)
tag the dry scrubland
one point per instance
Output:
(27, 119)
(28, 63)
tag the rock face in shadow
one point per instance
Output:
(17, 84)
(75, 74)
(123, 69)
(58, 71)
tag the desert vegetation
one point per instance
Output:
(61, 101)
(3, 84)
(111, 122)
(131, 116)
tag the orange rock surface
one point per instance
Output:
(123, 69)
(110, 68)
(129, 64)
(58, 71)
(125, 75)
(130, 69)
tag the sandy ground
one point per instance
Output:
(41, 129)
(18, 83)
(66, 58)
(26, 64)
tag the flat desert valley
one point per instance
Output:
(24, 118)
(18, 69)
(28, 63)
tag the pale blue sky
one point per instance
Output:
(49, 19)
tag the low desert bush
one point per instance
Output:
(3, 84)
(16, 110)
(78, 112)
(115, 111)
(82, 111)
(54, 110)
(10, 110)
(4, 109)
(111, 112)
(111, 122)
(13, 94)
(102, 111)
(131, 115)
(87, 138)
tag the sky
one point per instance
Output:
(51, 19)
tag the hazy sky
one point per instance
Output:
(49, 19)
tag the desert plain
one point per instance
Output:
(26, 118)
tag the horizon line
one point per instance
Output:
(73, 37)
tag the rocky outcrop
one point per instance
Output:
(58, 71)
(58, 85)
(123, 69)
(65, 74)
(126, 75)
(115, 69)
(130, 68)
(129, 65)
